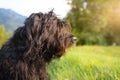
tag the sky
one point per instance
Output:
(26, 7)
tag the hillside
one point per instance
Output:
(10, 19)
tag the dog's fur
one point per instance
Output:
(43, 37)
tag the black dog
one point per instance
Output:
(25, 55)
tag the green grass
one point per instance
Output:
(87, 63)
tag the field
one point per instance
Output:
(87, 63)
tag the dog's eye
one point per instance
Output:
(69, 36)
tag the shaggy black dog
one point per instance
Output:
(42, 38)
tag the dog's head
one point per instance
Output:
(47, 35)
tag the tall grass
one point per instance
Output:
(87, 63)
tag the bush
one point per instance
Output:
(3, 35)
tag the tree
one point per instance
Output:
(3, 35)
(88, 19)
(112, 31)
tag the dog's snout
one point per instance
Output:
(74, 38)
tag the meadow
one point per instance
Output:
(87, 63)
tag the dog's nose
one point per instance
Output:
(74, 38)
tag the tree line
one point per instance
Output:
(95, 22)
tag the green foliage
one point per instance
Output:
(87, 63)
(3, 35)
(112, 31)
(88, 19)
(91, 38)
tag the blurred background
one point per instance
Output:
(95, 23)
